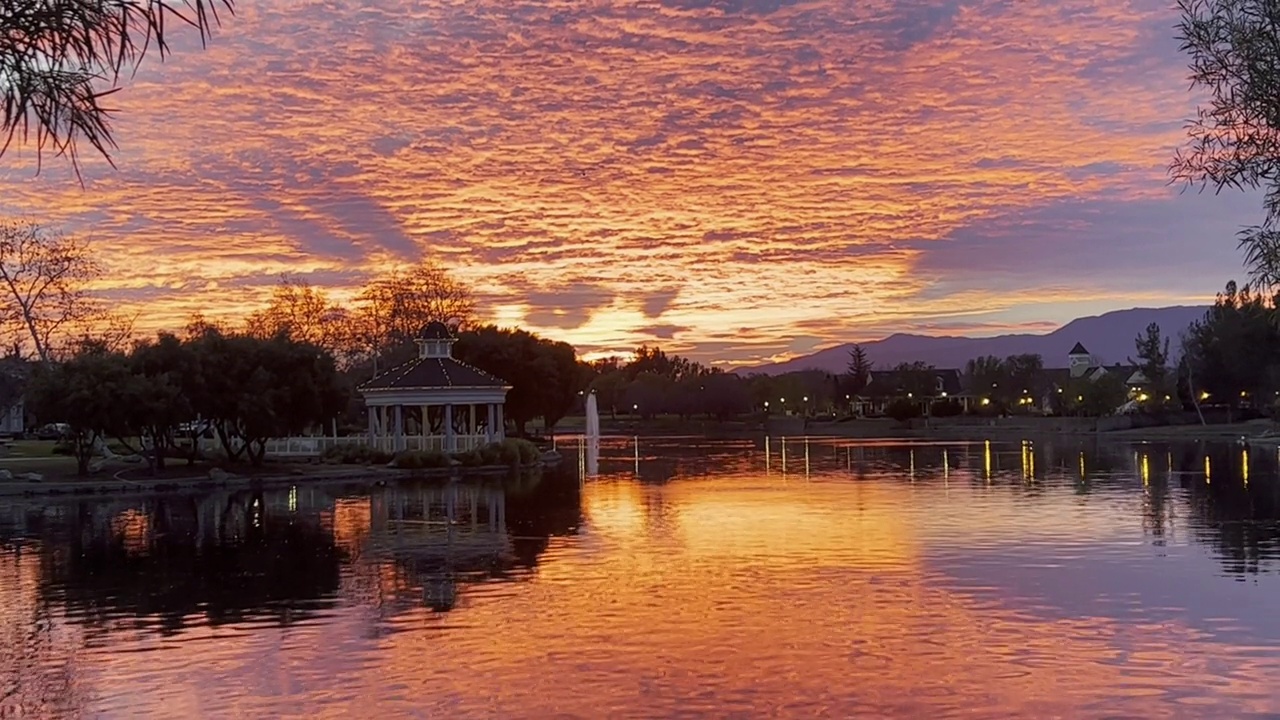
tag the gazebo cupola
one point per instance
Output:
(436, 341)
(434, 402)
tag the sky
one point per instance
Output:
(736, 180)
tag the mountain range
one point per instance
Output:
(1109, 337)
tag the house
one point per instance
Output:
(1082, 364)
(885, 386)
(14, 373)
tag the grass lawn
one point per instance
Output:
(36, 456)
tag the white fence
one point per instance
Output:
(299, 447)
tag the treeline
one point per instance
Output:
(1231, 357)
(245, 389)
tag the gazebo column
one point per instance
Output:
(472, 411)
(425, 428)
(373, 425)
(488, 428)
(449, 440)
(399, 428)
(500, 428)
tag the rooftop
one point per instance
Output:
(433, 372)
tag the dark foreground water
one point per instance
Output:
(690, 578)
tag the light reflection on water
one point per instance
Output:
(688, 577)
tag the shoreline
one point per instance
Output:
(106, 483)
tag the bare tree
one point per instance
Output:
(395, 307)
(60, 58)
(43, 279)
(306, 314)
(100, 329)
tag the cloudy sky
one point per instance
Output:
(738, 180)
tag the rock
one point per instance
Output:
(297, 471)
(30, 477)
(135, 459)
(219, 475)
(6, 475)
(96, 467)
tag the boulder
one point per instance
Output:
(30, 477)
(6, 475)
(219, 475)
(135, 459)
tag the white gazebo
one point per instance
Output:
(434, 402)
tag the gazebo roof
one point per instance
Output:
(436, 330)
(433, 373)
(1078, 350)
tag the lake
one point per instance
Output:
(685, 578)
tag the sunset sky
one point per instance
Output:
(738, 180)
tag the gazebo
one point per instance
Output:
(434, 402)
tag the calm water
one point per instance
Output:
(690, 578)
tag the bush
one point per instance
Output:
(355, 455)
(470, 458)
(947, 408)
(421, 460)
(527, 451)
(903, 410)
(62, 448)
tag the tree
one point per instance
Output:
(393, 308)
(724, 396)
(1098, 396)
(306, 314)
(610, 389)
(1153, 360)
(545, 376)
(650, 394)
(253, 389)
(58, 60)
(560, 389)
(988, 377)
(92, 393)
(859, 370)
(1234, 142)
(1233, 351)
(43, 279)
(916, 379)
(1024, 376)
(165, 368)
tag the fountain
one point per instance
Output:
(592, 435)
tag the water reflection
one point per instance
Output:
(792, 576)
(234, 556)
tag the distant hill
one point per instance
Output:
(1109, 337)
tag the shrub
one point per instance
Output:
(508, 452)
(527, 451)
(903, 410)
(421, 460)
(491, 454)
(946, 408)
(355, 455)
(470, 458)
(62, 448)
